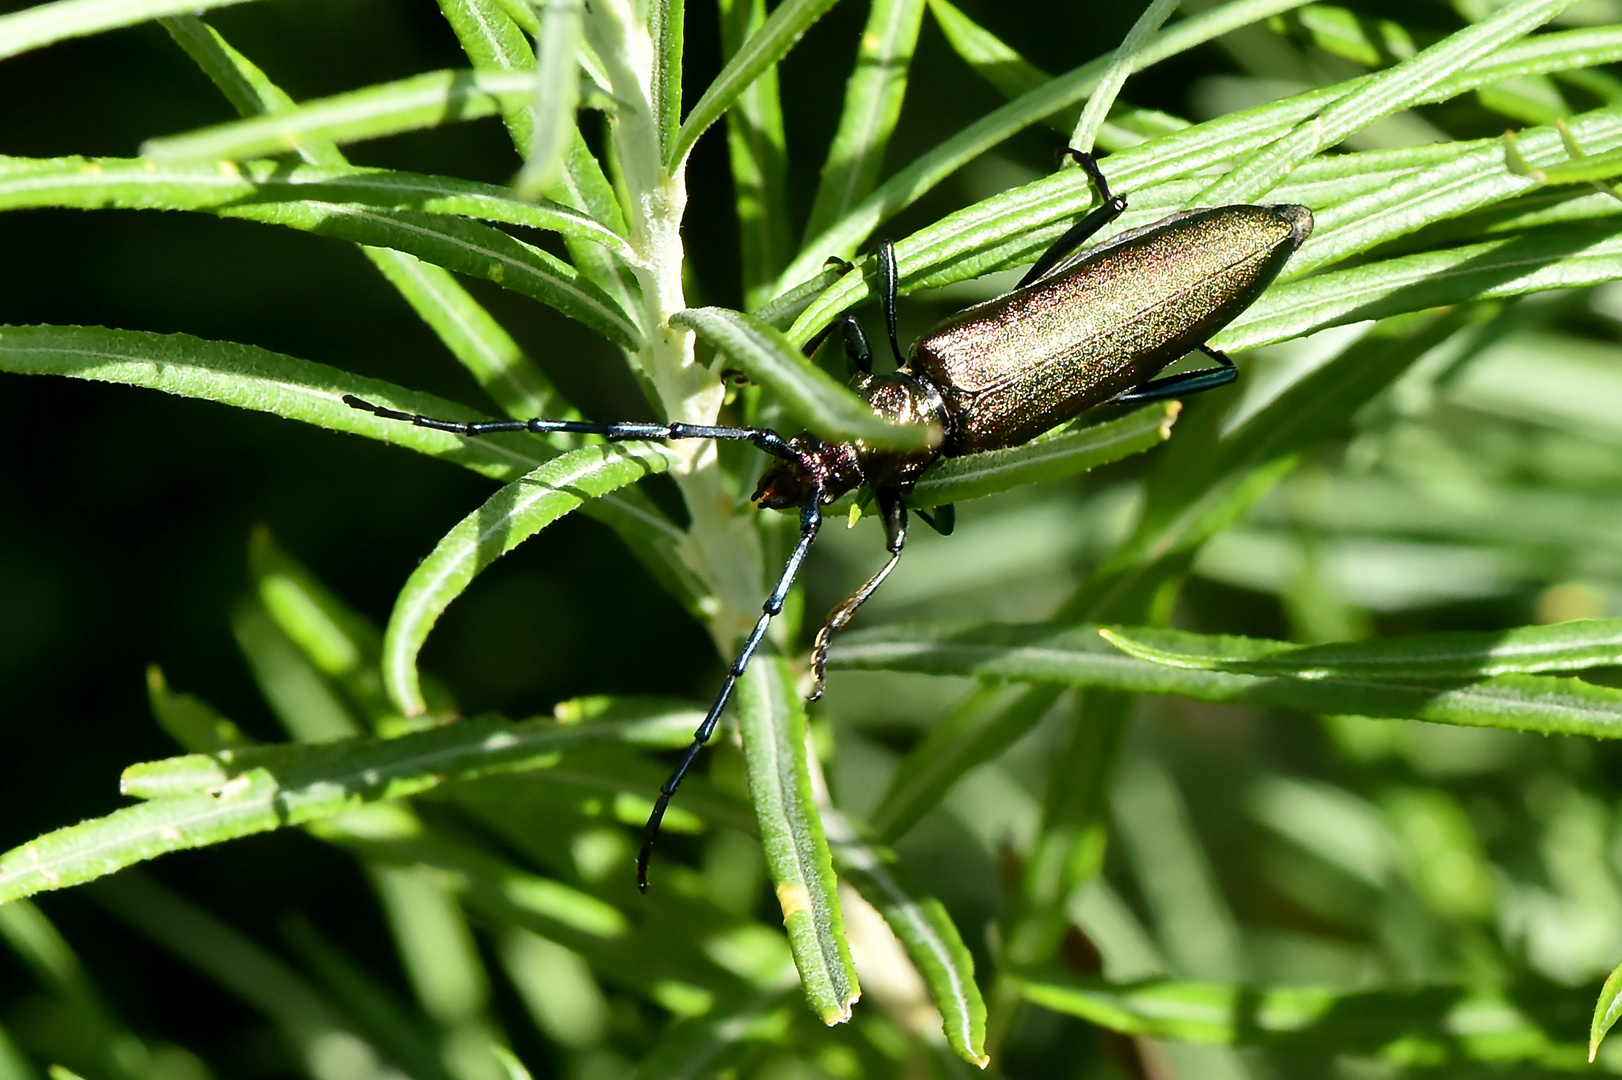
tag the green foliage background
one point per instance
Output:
(1169, 851)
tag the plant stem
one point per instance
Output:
(722, 547)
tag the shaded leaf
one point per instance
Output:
(508, 518)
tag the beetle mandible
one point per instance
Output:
(1081, 329)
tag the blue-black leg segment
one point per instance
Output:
(943, 520)
(858, 353)
(1057, 257)
(810, 522)
(1184, 384)
(769, 441)
(894, 513)
(890, 286)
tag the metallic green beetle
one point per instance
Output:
(1083, 328)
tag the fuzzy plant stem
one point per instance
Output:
(722, 546)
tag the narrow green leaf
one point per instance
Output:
(1012, 75)
(14, 1064)
(987, 54)
(36, 942)
(1068, 851)
(509, 517)
(475, 338)
(258, 379)
(136, 183)
(399, 1031)
(1341, 32)
(1011, 228)
(1121, 65)
(636, 958)
(764, 48)
(496, 36)
(1385, 93)
(1076, 657)
(172, 776)
(781, 310)
(253, 378)
(441, 959)
(557, 93)
(244, 85)
(338, 204)
(797, 856)
(495, 43)
(341, 644)
(873, 96)
(239, 965)
(371, 112)
(259, 789)
(977, 730)
(1555, 257)
(466, 328)
(829, 410)
(758, 152)
(1568, 646)
(667, 27)
(959, 479)
(1606, 1011)
(921, 923)
(911, 182)
(1405, 204)
(188, 720)
(307, 704)
(705, 1045)
(46, 24)
(1476, 1025)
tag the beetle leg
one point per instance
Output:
(895, 536)
(1055, 258)
(943, 520)
(1184, 384)
(890, 282)
(810, 522)
(858, 353)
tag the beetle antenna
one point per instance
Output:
(810, 523)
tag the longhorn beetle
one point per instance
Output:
(1082, 328)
